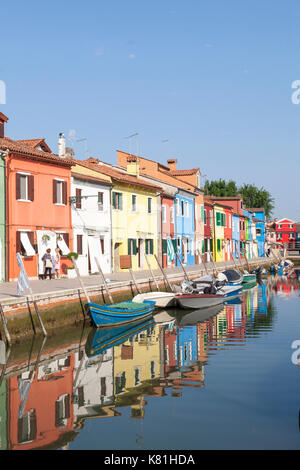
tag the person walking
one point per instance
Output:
(48, 264)
(57, 263)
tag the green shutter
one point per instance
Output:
(129, 246)
(165, 247)
(114, 200)
(218, 244)
(151, 247)
(120, 201)
(218, 218)
(202, 212)
(134, 247)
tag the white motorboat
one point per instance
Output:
(161, 299)
(210, 286)
(198, 301)
(197, 316)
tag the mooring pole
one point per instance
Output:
(184, 271)
(134, 281)
(6, 332)
(152, 273)
(79, 279)
(163, 273)
(215, 271)
(104, 281)
(38, 313)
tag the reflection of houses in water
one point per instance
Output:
(137, 360)
(283, 285)
(40, 407)
(93, 394)
(3, 415)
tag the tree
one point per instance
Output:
(254, 197)
(220, 188)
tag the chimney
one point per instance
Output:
(3, 120)
(172, 163)
(61, 145)
(133, 165)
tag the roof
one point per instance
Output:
(226, 197)
(192, 171)
(256, 209)
(25, 151)
(89, 178)
(117, 175)
(34, 143)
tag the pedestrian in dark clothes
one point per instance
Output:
(48, 264)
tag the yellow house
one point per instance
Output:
(137, 360)
(219, 239)
(135, 216)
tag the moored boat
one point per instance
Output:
(100, 340)
(198, 301)
(119, 313)
(161, 299)
(249, 278)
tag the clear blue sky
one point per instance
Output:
(213, 77)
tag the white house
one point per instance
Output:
(91, 221)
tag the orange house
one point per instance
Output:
(38, 212)
(40, 407)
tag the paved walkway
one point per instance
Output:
(59, 287)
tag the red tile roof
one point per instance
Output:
(80, 176)
(3, 117)
(34, 143)
(192, 171)
(117, 175)
(25, 151)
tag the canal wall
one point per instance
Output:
(56, 292)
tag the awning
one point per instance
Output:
(30, 251)
(63, 246)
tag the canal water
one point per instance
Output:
(226, 380)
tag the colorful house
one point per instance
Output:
(219, 224)
(187, 202)
(135, 216)
(38, 213)
(248, 233)
(208, 246)
(228, 248)
(3, 120)
(235, 235)
(168, 230)
(285, 230)
(91, 219)
(259, 221)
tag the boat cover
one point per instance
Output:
(232, 275)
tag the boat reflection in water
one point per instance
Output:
(46, 398)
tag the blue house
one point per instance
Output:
(260, 223)
(185, 226)
(187, 345)
(236, 235)
(248, 232)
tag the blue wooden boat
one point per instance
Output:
(119, 313)
(100, 340)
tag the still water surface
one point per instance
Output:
(228, 382)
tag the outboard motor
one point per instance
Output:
(221, 277)
(186, 287)
(210, 289)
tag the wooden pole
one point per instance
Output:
(5, 325)
(79, 279)
(163, 273)
(104, 281)
(184, 271)
(215, 271)
(152, 273)
(134, 281)
(247, 262)
(236, 266)
(38, 313)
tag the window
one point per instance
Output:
(225, 220)
(132, 246)
(133, 203)
(172, 215)
(186, 209)
(100, 201)
(78, 198)
(149, 246)
(179, 244)
(258, 232)
(62, 410)
(60, 195)
(27, 427)
(229, 219)
(149, 205)
(24, 187)
(219, 221)
(79, 244)
(182, 208)
(177, 206)
(25, 243)
(279, 226)
(117, 201)
(218, 244)
(164, 214)
(205, 217)
(198, 181)
(102, 245)
(291, 226)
